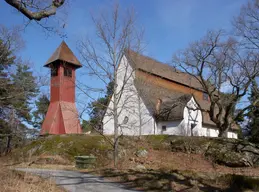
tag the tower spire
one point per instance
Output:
(63, 53)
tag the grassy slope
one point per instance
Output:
(69, 146)
(193, 170)
(64, 146)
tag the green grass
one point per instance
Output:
(69, 146)
(66, 146)
(158, 141)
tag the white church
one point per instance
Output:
(155, 98)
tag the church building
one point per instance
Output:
(158, 99)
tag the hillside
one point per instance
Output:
(170, 162)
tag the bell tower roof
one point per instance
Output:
(63, 53)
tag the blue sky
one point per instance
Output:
(169, 25)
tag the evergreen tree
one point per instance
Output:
(253, 114)
(86, 126)
(6, 61)
(97, 111)
(18, 88)
(25, 89)
(39, 114)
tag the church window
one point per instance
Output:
(164, 128)
(125, 120)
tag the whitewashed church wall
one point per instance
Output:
(108, 122)
(232, 134)
(211, 131)
(193, 117)
(130, 107)
(171, 128)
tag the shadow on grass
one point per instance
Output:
(241, 183)
(149, 180)
(159, 180)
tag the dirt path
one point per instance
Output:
(74, 181)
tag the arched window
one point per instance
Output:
(125, 120)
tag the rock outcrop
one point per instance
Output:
(229, 152)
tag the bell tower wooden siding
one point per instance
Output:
(63, 87)
(62, 115)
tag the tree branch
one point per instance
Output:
(38, 15)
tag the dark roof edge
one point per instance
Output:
(76, 66)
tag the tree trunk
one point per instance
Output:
(116, 139)
(140, 116)
(222, 133)
(116, 128)
(115, 152)
(154, 126)
(8, 144)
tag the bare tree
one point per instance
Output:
(43, 14)
(225, 72)
(36, 10)
(102, 56)
(247, 23)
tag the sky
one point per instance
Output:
(170, 25)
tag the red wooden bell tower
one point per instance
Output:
(62, 115)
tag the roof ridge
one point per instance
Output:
(59, 48)
(152, 58)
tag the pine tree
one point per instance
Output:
(6, 62)
(253, 114)
(97, 111)
(18, 88)
(39, 114)
(24, 89)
